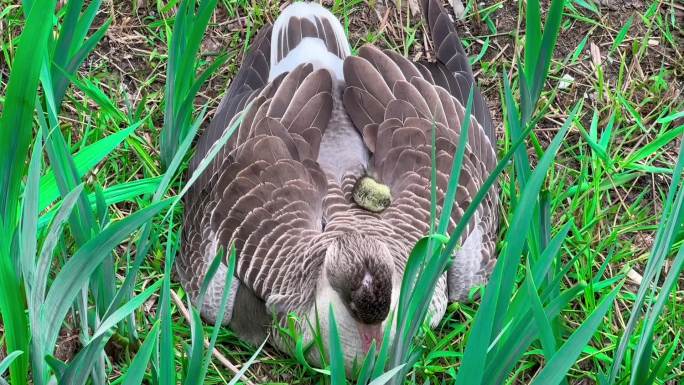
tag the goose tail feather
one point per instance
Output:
(308, 33)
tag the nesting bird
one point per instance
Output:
(324, 187)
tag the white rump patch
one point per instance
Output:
(309, 50)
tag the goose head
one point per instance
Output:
(360, 283)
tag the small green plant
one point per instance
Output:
(181, 85)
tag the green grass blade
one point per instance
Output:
(540, 269)
(622, 34)
(667, 231)
(15, 135)
(29, 218)
(245, 366)
(136, 370)
(516, 122)
(187, 34)
(82, 220)
(557, 367)
(112, 195)
(662, 365)
(227, 285)
(366, 370)
(126, 309)
(195, 357)
(423, 284)
(5, 363)
(179, 156)
(43, 267)
(523, 218)
(522, 163)
(61, 82)
(490, 316)
(383, 354)
(84, 160)
(521, 335)
(167, 366)
(204, 163)
(552, 250)
(387, 376)
(533, 37)
(670, 118)
(84, 24)
(211, 271)
(78, 370)
(12, 308)
(58, 367)
(548, 44)
(187, 104)
(642, 355)
(546, 336)
(337, 374)
(413, 264)
(17, 114)
(652, 147)
(95, 92)
(456, 166)
(76, 272)
(66, 34)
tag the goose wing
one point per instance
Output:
(264, 191)
(396, 106)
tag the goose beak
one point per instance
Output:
(370, 333)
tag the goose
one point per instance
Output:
(324, 186)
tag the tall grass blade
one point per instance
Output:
(78, 370)
(245, 366)
(387, 376)
(76, 272)
(642, 356)
(195, 357)
(167, 366)
(84, 161)
(136, 370)
(337, 374)
(546, 336)
(29, 218)
(15, 135)
(20, 97)
(548, 44)
(665, 236)
(521, 335)
(490, 317)
(557, 367)
(5, 363)
(366, 370)
(55, 232)
(198, 363)
(181, 88)
(456, 166)
(227, 286)
(533, 37)
(126, 309)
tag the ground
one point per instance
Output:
(624, 61)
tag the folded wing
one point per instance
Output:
(396, 107)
